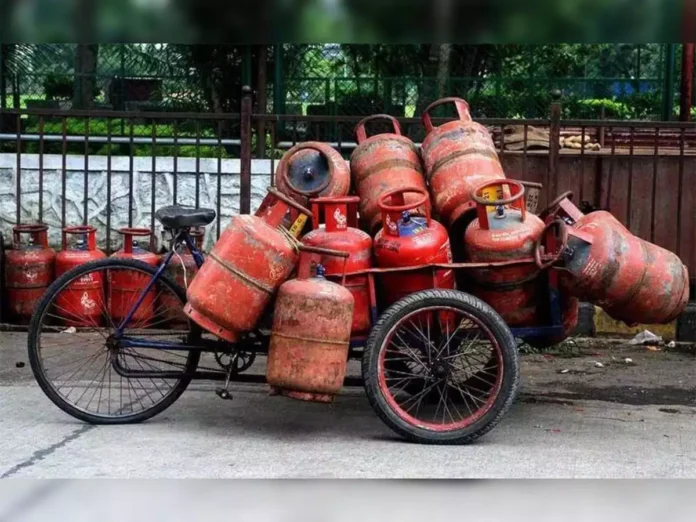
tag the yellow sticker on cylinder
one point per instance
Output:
(298, 225)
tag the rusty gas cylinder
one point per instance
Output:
(312, 169)
(340, 232)
(252, 258)
(381, 163)
(310, 339)
(81, 303)
(458, 156)
(126, 286)
(29, 269)
(408, 241)
(504, 231)
(181, 269)
(633, 280)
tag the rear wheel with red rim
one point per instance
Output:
(441, 367)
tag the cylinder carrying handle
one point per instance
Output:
(339, 212)
(129, 233)
(516, 199)
(392, 211)
(361, 133)
(460, 105)
(562, 230)
(86, 230)
(283, 168)
(38, 233)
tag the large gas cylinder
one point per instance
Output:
(312, 169)
(126, 286)
(340, 233)
(181, 269)
(458, 157)
(29, 268)
(633, 280)
(504, 231)
(408, 241)
(252, 258)
(81, 303)
(310, 338)
(381, 163)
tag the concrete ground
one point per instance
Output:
(555, 429)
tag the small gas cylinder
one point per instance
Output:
(310, 339)
(252, 258)
(312, 169)
(340, 233)
(381, 163)
(504, 231)
(407, 241)
(181, 269)
(126, 286)
(458, 157)
(81, 303)
(29, 270)
(633, 280)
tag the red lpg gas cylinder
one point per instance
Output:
(381, 163)
(407, 241)
(310, 339)
(81, 303)
(181, 269)
(458, 157)
(252, 258)
(28, 270)
(504, 231)
(632, 280)
(312, 169)
(340, 233)
(126, 286)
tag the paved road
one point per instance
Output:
(260, 436)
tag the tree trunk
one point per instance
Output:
(443, 70)
(86, 56)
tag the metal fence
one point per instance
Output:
(336, 80)
(642, 172)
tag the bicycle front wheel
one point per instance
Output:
(79, 364)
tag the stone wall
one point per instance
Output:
(97, 190)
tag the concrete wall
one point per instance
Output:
(97, 190)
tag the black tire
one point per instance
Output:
(45, 306)
(481, 314)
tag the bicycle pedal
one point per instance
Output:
(223, 394)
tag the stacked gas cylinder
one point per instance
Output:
(412, 209)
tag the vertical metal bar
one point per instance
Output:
(654, 185)
(41, 167)
(64, 177)
(18, 217)
(261, 99)
(152, 177)
(218, 203)
(524, 152)
(502, 142)
(611, 168)
(108, 185)
(130, 176)
(273, 149)
(680, 189)
(198, 163)
(278, 83)
(630, 177)
(294, 131)
(175, 174)
(245, 153)
(85, 177)
(582, 163)
(554, 141)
